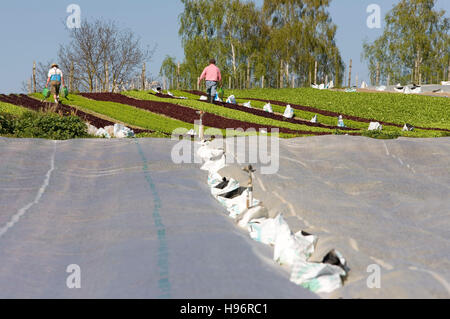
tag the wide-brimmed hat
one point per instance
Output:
(55, 64)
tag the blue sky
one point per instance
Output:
(33, 30)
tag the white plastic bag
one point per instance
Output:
(290, 247)
(91, 129)
(213, 166)
(340, 122)
(267, 230)
(289, 112)
(407, 90)
(416, 90)
(203, 98)
(331, 84)
(237, 205)
(248, 104)
(117, 129)
(309, 242)
(231, 186)
(231, 99)
(268, 108)
(399, 89)
(317, 277)
(314, 119)
(121, 131)
(217, 98)
(263, 230)
(250, 214)
(375, 126)
(408, 128)
(206, 153)
(101, 132)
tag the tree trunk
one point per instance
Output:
(350, 74)
(71, 77)
(178, 76)
(106, 77)
(281, 75)
(448, 72)
(34, 76)
(248, 73)
(315, 72)
(378, 75)
(419, 65)
(287, 74)
(233, 60)
(143, 77)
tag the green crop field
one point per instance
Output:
(135, 117)
(225, 112)
(298, 96)
(126, 114)
(417, 110)
(12, 109)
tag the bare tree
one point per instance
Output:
(101, 52)
(41, 76)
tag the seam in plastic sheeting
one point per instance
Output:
(22, 211)
(291, 249)
(163, 250)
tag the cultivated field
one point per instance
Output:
(158, 115)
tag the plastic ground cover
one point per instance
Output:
(383, 204)
(137, 225)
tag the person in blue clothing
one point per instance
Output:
(55, 78)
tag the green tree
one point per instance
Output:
(169, 70)
(301, 32)
(200, 23)
(415, 44)
(281, 39)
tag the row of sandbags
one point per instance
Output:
(323, 86)
(288, 112)
(117, 131)
(292, 250)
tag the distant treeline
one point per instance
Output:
(278, 44)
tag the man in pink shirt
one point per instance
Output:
(211, 74)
